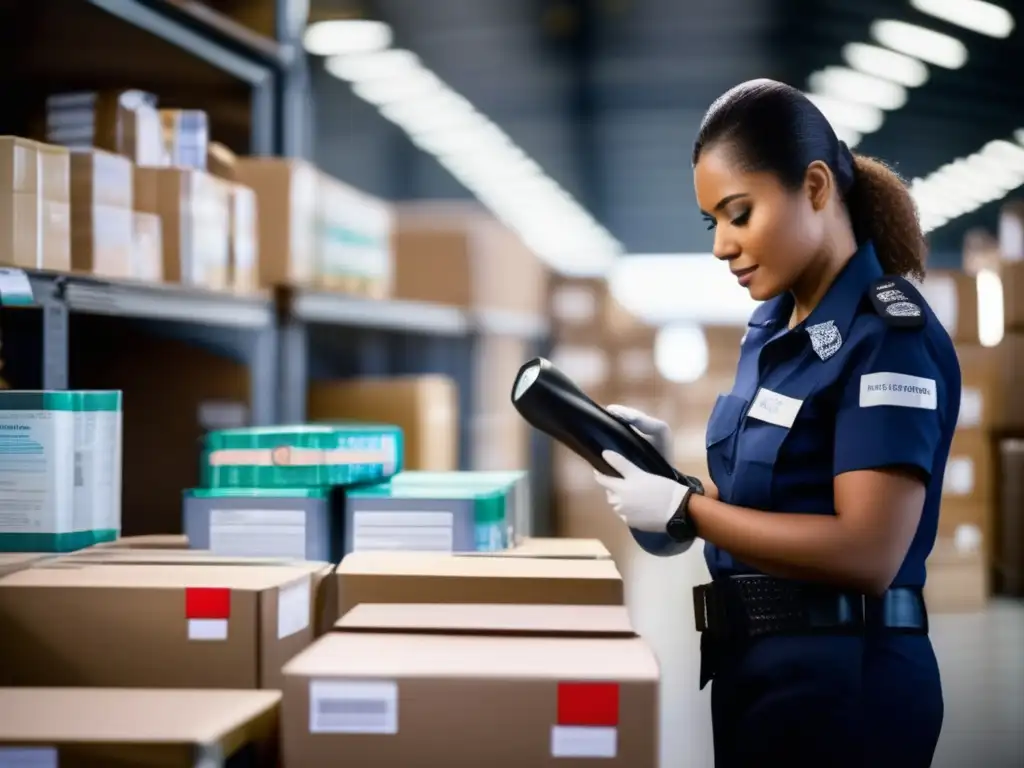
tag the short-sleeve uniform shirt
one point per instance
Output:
(869, 380)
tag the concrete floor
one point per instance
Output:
(981, 656)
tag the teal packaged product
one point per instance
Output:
(396, 518)
(98, 463)
(264, 522)
(302, 456)
(520, 503)
(60, 466)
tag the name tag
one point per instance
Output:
(898, 389)
(773, 408)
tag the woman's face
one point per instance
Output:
(767, 235)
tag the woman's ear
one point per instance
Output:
(819, 184)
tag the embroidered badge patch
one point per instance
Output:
(825, 339)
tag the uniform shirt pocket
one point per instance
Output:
(725, 418)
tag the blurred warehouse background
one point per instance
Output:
(244, 214)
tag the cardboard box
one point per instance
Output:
(244, 259)
(286, 199)
(425, 407)
(102, 227)
(971, 468)
(147, 247)
(154, 626)
(154, 541)
(559, 683)
(556, 548)
(953, 297)
(193, 207)
(958, 579)
(418, 577)
(458, 254)
(11, 562)
(186, 137)
(173, 729)
(501, 437)
(35, 209)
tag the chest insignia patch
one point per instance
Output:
(825, 339)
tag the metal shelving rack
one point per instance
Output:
(295, 335)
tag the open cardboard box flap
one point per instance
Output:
(608, 621)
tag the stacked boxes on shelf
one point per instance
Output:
(273, 491)
(958, 570)
(35, 205)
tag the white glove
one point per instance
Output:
(655, 431)
(644, 501)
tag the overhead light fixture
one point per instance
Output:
(392, 63)
(924, 44)
(882, 62)
(649, 287)
(862, 118)
(346, 36)
(850, 85)
(481, 157)
(964, 185)
(975, 15)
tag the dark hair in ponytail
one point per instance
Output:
(773, 127)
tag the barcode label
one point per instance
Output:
(79, 473)
(403, 531)
(258, 533)
(337, 706)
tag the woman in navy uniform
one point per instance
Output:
(826, 458)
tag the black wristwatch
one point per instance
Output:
(680, 526)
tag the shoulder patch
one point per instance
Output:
(898, 302)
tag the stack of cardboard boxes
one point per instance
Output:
(324, 663)
(958, 569)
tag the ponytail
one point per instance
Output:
(883, 211)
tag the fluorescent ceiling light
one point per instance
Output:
(924, 44)
(862, 118)
(369, 66)
(881, 62)
(966, 184)
(850, 85)
(975, 15)
(650, 286)
(346, 36)
(482, 157)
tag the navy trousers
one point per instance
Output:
(827, 701)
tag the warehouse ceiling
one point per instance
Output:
(606, 96)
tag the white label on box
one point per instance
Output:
(971, 408)
(397, 531)
(959, 478)
(584, 741)
(258, 533)
(294, 605)
(574, 304)
(356, 706)
(587, 366)
(208, 629)
(223, 414)
(28, 757)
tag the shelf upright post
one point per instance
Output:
(56, 333)
(292, 361)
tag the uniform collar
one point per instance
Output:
(839, 304)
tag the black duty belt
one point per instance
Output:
(746, 607)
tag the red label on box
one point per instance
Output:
(207, 603)
(588, 704)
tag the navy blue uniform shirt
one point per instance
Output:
(845, 390)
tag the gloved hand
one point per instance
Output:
(644, 501)
(655, 431)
